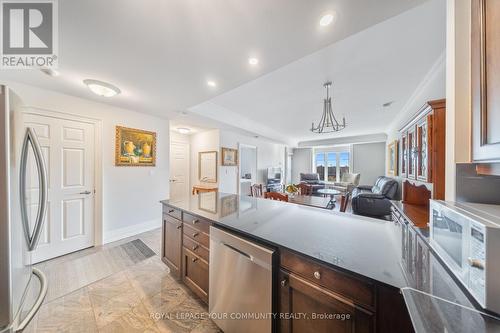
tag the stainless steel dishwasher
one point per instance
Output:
(240, 289)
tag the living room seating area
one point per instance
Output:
(375, 200)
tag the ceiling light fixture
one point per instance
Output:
(102, 88)
(326, 20)
(253, 61)
(183, 130)
(211, 83)
(328, 123)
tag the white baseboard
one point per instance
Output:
(117, 234)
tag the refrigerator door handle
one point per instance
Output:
(31, 139)
(38, 302)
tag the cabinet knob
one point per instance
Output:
(195, 234)
(317, 275)
(284, 282)
(164, 221)
(194, 259)
(179, 226)
(195, 247)
(170, 210)
(195, 221)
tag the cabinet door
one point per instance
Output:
(403, 156)
(485, 80)
(412, 153)
(305, 301)
(195, 274)
(424, 144)
(172, 243)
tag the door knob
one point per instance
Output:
(86, 192)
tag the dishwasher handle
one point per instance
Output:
(238, 251)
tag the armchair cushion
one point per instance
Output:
(374, 200)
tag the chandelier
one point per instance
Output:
(328, 123)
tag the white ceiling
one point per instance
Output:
(161, 53)
(383, 63)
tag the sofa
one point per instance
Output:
(312, 179)
(375, 200)
(347, 183)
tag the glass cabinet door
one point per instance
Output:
(403, 157)
(423, 149)
(412, 152)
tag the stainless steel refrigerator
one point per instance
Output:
(23, 202)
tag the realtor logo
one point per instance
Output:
(29, 34)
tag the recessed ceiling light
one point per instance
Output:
(326, 20)
(183, 130)
(253, 61)
(102, 88)
(211, 83)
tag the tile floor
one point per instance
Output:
(139, 298)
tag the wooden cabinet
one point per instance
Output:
(195, 273)
(171, 245)
(345, 302)
(320, 309)
(485, 80)
(422, 156)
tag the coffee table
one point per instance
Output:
(331, 192)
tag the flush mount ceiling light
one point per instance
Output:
(328, 123)
(102, 88)
(183, 130)
(211, 83)
(253, 61)
(326, 20)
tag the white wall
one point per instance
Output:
(301, 163)
(130, 195)
(203, 141)
(369, 160)
(269, 154)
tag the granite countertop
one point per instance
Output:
(365, 246)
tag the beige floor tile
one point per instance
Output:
(70, 313)
(135, 320)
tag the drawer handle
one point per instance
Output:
(194, 259)
(317, 275)
(195, 221)
(195, 234)
(284, 282)
(170, 210)
(195, 247)
(179, 226)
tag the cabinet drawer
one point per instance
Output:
(196, 235)
(362, 292)
(195, 274)
(196, 248)
(196, 222)
(174, 212)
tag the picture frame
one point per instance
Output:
(393, 158)
(207, 166)
(135, 147)
(229, 157)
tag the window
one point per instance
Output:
(332, 163)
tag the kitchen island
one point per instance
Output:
(328, 262)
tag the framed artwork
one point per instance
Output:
(134, 147)
(392, 158)
(229, 156)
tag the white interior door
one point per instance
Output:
(179, 171)
(68, 148)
